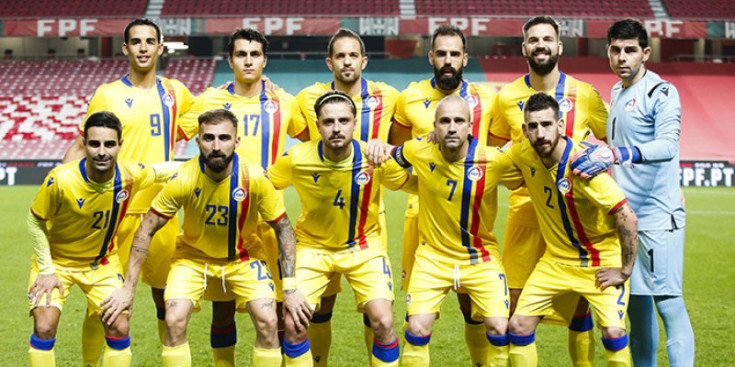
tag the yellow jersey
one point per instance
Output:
(150, 122)
(575, 214)
(417, 106)
(339, 200)
(458, 200)
(263, 121)
(82, 216)
(375, 104)
(220, 218)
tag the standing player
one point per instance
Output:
(414, 114)
(266, 119)
(149, 108)
(643, 130)
(73, 221)
(584, 111)
(589, 230)
(376, 101)
(224, 198)
(457, 191)
(338, 230)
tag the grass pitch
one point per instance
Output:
(708, 287)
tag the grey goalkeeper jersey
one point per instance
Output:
(647, 115)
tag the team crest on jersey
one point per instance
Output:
(122, 196)
(239, 194)
(427, 103)
(80, 202)
(566, 105)
(362, 178)
(474, 174)
(564, 185)
(270, 107)
(630, 105)
(472, 100)
(227, 106)
(129, 102)
(371, 102)
(520, 105)
(168, 100)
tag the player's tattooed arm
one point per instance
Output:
(122, 298)
(627, 226)
(286, 245)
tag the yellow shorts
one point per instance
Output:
(551, 280)
(523, 246)
(367, 271)
(156, 266)
(245, 280)
(410, 240)
(432, 279)
(97, 284)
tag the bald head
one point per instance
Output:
(453, 101)
(452, 123)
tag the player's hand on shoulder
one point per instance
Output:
(592, 161)
(377, 151)
(269, 85)
(120, 300)
(607, 277)
(44, 284)
(297, 306)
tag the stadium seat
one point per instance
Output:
(75, 8)
(701, 10)
(578, 8)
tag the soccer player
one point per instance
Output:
(643, 132)
(338, 230)
(149, 108)
(590, 235)
(223, 197)
(584, 111)
(414, 114)
(376, 101)
(73, 221)
(266, 118)
(457, 190)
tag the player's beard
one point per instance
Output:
(218, 165)
(542, 149)
(354, 77)
(448, 83)
(545, 68)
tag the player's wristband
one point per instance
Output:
(626, 156)
(289, 283)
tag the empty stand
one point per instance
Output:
(580, 8)
(279, 7)
(196, 74)
(75, 8)
(704, 10)
(79, 77)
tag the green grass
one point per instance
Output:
(708, 293)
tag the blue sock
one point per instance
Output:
(42, 344)
(417, 340)
(386, 352)
(679, 333)
(118, 343)
(161, 313)
(223, 336)
(521, 340)
(582, 323)
(643, 331)
(295, 350)
(615, 344)
(498, 340)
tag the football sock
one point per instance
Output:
(320, 331)
(679, 333)
(93, 339)
(384, 354)
(223, 340)
(178, 356)
(497, 355)
(367, 333)
(267, 357)
(617, 352)
(416, 350)
(643, 331)
(298, 355)
(523, 350)
(41, 352)
(580, 341)
(118, 352)
(474, 336)
(161, 318)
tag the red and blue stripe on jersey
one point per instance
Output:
(570, 217)
(566, 88)
(469, 93)
(270, 126)
(169, 115)
(368, 129)
(472, 193)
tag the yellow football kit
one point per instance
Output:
(339, 218)
(583, 111)
(219, 230)
(415, 110)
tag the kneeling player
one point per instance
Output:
(222, 196)
(590, 235)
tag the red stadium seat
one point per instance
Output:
(75, 8)
(578, 8)
(702, 10)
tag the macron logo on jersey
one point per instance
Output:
(432, 165)
(197, 191)
(227, 106)
(520, 105)
(50, 182)
(315, 176)
(80, 202)
(533, 171)
(427, 103)
(129, 102)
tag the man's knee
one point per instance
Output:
(293, 335)
(45, 321)
(119, 328)
(521, 325)
(496, 325)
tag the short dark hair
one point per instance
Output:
(247, 34)
(334, 96)
(104, 119)
(213, 117)
(344, 33)
(539, 102)
(449, 30)
(142, 21)
(628, 29)
(541, 19)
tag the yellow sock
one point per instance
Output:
(178, 356)
(525, 356)
(320, 338)
(41, 358)
(224, 357)
(581, 348)
(298, 355)
(474, 336)
(267, 357)
(117, 358)
(304, 360)
(416, 351)
(161, 330)
(93, 339)
(367, 333)
(620, 358)
(497, 351)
